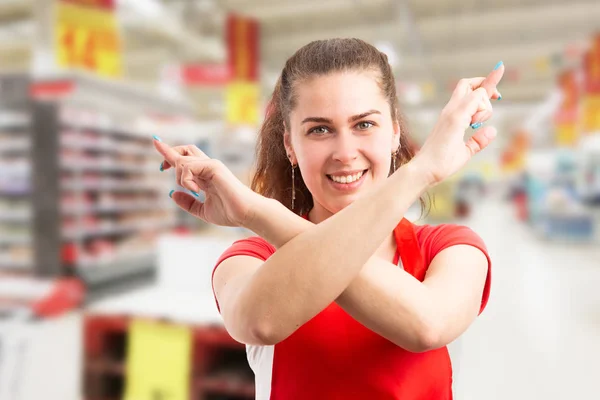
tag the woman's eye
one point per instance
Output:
(364, 125)
(319, 130)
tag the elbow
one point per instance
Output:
(428, 337)
(266, 334)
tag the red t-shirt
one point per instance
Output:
(333, 356)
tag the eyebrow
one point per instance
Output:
(351, 119)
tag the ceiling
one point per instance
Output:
(435, 42)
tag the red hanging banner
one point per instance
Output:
(242, 44)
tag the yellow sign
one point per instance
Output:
(591, 113)
(566, 134)
(243, 103)
(87, 36)
(158, 361)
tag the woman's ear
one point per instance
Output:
(287, 142)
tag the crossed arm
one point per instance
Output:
(265, 302)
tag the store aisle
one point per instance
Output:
(539, 337)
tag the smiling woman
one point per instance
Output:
(307, 99)
(338, 295)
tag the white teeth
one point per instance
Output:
(346, 179)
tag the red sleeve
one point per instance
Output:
(434, 239)
(255, 247)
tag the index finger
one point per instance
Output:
(493, 79)
(167, 152)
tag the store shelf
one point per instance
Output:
(111, 166)
(12, 264)
(109, 208)
(105, 366)
(103, 273)
(15, 216)
(15, 191)
(16, 145)
(107, 129)
(13, 240)
(113, 186)
(14, 121)
(116, 229)
(229, 386)
(107, 147)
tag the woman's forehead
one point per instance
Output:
(347, 93)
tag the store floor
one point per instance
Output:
(539, 337)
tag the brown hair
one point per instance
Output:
(272, 177)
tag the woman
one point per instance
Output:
(339, 296)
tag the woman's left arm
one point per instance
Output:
(419, 316)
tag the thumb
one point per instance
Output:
(188, 203)
(481, 139)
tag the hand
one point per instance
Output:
(445, 150)
(228, 202)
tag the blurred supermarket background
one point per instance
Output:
(105, 285)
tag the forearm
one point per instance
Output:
(315, 263)
(392, 303)
(419, 316)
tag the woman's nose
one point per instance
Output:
(346, 148)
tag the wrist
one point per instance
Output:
(258, 207)
(418, 169)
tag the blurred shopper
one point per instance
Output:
(339, 296)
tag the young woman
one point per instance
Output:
(339, 296)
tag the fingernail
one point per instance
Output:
(157, 138)
(476, 125)
(498, 65)
(171, 193)
(161, 167)
(499, 97)
(195, 194)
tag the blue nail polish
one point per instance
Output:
(161, 167)
(498, 65)
(157, 138)
(499, 98)
(171, 193)
(476, 125)
(195, 194)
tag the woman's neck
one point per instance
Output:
(318, 214)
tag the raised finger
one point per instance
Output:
(493, 79)
(170, 155)
(184, 150)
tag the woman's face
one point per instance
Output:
(341, 135)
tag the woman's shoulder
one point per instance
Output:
(253, 246)
(435, 238)
(440, 231)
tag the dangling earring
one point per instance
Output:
(394, 154)
(293, 182)
(293, 186)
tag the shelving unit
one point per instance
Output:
(100, 200)
(219, 369)
(16, 252)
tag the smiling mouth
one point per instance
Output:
(347, 178)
